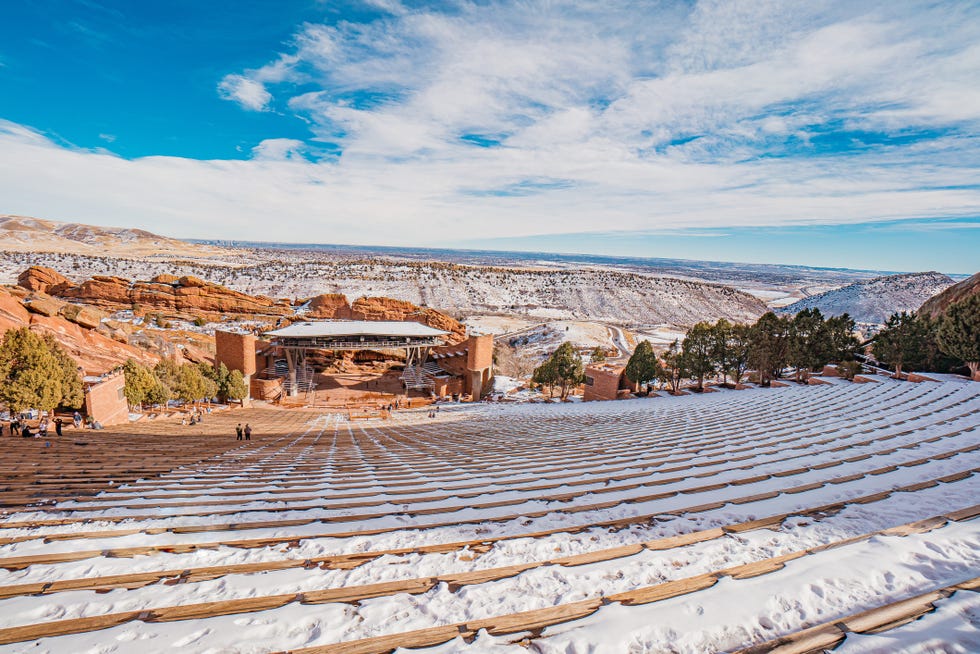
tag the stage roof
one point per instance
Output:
(373, 328)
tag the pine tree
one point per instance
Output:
(142, 386)
(958, 334)
(598, 355)
(235, 386)
(734, 359)
(769, 347)
(674, 368)
(809, 346)
(901, 342)
(35, 372)
(563, 368)
(841, 339)
(699, 352)
(643, 366)
(569, 370)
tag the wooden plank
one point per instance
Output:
(759, 568)
(892, 615)
(666, 590)
(65, 627)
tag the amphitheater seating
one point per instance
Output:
(186, 525)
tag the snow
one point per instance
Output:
(670, 465)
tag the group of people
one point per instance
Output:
(197, 416)
(19, 425)
(245, 431)
(433, 412)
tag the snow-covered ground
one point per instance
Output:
(622, 523)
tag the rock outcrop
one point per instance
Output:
(329, 306)
(937, 304)
(384, 308)
(41, 279)
(165, 293)
(334, 306)
(95, 352)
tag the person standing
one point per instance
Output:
(239, 431)
(76, 419)
(58, 424)
(248, 432)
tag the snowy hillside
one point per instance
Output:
(597, 295)
(26, 234)
(873, 300)
(502, 529)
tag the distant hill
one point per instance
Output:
(873, 300)
(26, 234)
(938, 303)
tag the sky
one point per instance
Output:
(814, 132)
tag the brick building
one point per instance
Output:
(105, 401)
(606, 381)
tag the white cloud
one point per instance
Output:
(248, 92)
(279, 150)
(650, 115)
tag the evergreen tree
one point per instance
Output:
(545, 375)
(35, 372)
(769, 346)
(168, 372)
(699, 349)
(734, 359)
(598, 355)
(958, 334)
(674, 368)
(569, 370)
(901, 342)
(719, 354)
(235, 386)
(841, 339)
(809, 346)
(643, 366)
(142, 386)
(192, 385)
(563, 368)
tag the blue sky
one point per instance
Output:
(821, 133)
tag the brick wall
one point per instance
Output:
(105, 401)
(480, 352)
(603, 382)
(236, 351)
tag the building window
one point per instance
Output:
(589, 381)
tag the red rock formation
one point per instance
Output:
(329, 306)
(937, 304)
(94, 352)
(384, 308)
(40, 279)
(169, 294)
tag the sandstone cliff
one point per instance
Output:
(95, 352)
(334, 306)
(937, 304)
(164, 293)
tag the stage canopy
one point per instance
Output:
(356, 335)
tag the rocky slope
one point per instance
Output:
(938, 303)
(874, 300)
(623, 298)
(93, 345)
(26, 234)
(186, 295)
